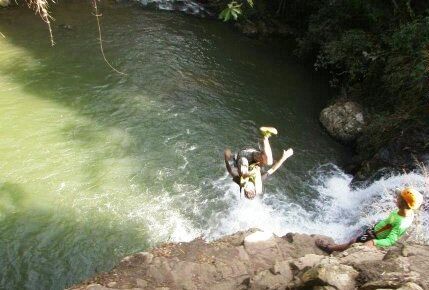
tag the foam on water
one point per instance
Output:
(340, 210)
(186, 6)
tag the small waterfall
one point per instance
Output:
(338, 209)
(186, 6)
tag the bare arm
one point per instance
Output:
(286, 154)
(227, 157)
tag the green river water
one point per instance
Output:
(95, 165)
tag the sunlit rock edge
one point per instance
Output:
(255, 260)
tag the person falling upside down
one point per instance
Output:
(248, 164)
(386, 232)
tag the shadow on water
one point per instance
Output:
(45, 247)
(171, 67)
(29, 256)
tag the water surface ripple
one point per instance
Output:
(95, 165)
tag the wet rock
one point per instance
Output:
(410, 286)
(237, 239)
(268, 280)
(324, 288)
(407, 150)
(283, 268)
(4, 3)
(418, 257)
(343, 120)
(390, 273)
(298, 245)
(248, 28)
(258, 260)
(145, 256)
(391, 280)
(308, 261)
(65, 26)
(359, 254)
(96, 287)
(262, 250)
(330, 272)
(142, 257)
(186, 6)
(141, 283)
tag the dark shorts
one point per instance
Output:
(368, 235)
(248, 153)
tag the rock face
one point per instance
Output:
(186, 6)
(404, 152)
(242, 262)
(262, 28)
(343, 120)
(4, 3)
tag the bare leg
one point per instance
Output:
(267, 151)
(342, 247)
(323, 245)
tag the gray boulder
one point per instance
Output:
(329, 272)
(359, 254)
(410, 286)
(4, 3)
(308, 261)
(392, 280)
(343, 120)
(267, 280)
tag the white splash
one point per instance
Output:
(339, 210)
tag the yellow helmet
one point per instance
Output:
(412, 197)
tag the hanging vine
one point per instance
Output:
(97, 16)
(41, 7)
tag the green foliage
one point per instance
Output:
(376, 52)
(350, 56)
(406, 71)
(232, 10)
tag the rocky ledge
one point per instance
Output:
(255, 260)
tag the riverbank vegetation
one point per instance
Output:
(376, 52)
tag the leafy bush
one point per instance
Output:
(348, 57)
(406, 72)
(377, 52)
(233, 10)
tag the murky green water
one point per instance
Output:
(96, 165)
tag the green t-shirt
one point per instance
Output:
(399, 224)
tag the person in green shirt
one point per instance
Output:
(386, 232)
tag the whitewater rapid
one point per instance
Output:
(339, 210)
